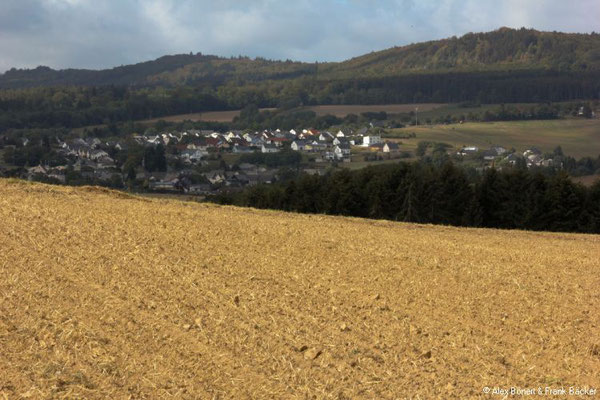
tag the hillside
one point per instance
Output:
(503, 49)
(172, 70)
(104, 295)
(500, 50)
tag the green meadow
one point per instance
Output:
(577, 137)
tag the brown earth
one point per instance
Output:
(587, 180)
(105, 295)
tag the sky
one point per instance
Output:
(100, 34)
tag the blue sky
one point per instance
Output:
(107, 33)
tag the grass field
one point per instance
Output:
(210, 116)
(578, 137)
(338, 110)
(343, 110)
(457, 110)
(104, 295)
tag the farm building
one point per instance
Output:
(391, 147)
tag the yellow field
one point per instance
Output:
(103, 295)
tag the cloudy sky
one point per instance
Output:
(106, 33)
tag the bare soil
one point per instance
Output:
(107, 295)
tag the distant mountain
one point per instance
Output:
(181, 69)
(500, 50)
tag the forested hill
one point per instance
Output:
(172, 70)
(500, 50)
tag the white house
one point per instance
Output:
(193, 155)
(215, 177)
(315, 146)
(326, 137)
(269, 148)
(338, 140)
(97, 154)
(342, 151)
(468, 150)
(39, 170)
(532, 151)
(298, 145)
(391, 147)
(371, 140)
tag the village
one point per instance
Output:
(203, 162)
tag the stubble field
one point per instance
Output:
(104, 295)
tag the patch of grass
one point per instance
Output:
(231, 158)
(392, 109)
(578, 137)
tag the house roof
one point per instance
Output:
(210, 141)
(37, 170)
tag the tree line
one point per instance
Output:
(73, 107)
(512, 198)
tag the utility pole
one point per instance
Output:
(417, 116)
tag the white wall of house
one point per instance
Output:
(369, 140)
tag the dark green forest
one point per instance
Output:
(74, 107)
(514, 198)
(503, 66)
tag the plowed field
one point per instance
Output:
(103, 295)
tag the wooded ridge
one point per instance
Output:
(500, 50)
